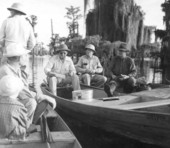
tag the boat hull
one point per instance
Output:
(145, 126)
(62, 136)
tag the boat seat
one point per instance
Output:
(145, 104)
(64, 137)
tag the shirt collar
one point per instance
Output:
(13, 69)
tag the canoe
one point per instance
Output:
(144, 116)
(61, 135)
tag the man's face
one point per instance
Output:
(62, 54)
(122, 53)
(89, 53)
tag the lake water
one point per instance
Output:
(88, 136)
(37, 75)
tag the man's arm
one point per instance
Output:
(2, 36)
(99, 67)
(133, 70)
(79, 67)
(48, 69)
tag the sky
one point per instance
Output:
(55, 10)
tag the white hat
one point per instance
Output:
(17, 7)
(15, 49)
(91, 47)
(10, 85)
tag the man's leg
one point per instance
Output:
(75, 82)
(98, 80)
(129, 85)
(86, 78)
(52, 81)
(30, 104)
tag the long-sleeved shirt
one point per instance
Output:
(89, 63)
(17, 30)
(13, 119)
(124, 66)
(8, 69)
(61, 67)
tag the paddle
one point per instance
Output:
(40, 113)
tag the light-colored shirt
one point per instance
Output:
(13, 119)
(89, 63)
(58, 66)
(7, 69)
(17, 30)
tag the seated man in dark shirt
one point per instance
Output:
(123, 72)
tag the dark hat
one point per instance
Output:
(123, 47)
(62, 47)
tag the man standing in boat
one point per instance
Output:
(16, 29)
(12, 67)
(60, 70)
(123, 72)
(90, 68)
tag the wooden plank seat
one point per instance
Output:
(61, 136)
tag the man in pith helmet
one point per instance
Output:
(90, 68)
(60, 70)
(16, 29)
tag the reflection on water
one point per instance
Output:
(148, 72)
(37, 71)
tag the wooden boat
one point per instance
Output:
(144, 116)
(61, 135)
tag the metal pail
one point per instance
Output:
(86, 94)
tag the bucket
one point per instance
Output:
(86, 94)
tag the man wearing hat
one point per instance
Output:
(16, 29)
(123, 71)
(14, 122)
(60, 70)
(12, 67)
(90, 68)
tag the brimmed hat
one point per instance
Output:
(15, 49)
(62, 47)
(10, 85)
(123, 47)
(17, 7)
(91, 47)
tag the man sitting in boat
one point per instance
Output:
(60, 70)
(123, 72)
(12, 67)
(90, 68)
(13, 114)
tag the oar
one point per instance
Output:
(40, 113)
(45, 132)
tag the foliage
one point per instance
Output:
(73, 15)
(160, 33)
(116, 20)
(56, 40)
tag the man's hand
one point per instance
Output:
(89, 71)
(51, 100)
(113, 77)
(124, 77)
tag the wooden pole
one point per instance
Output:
(52, 32)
